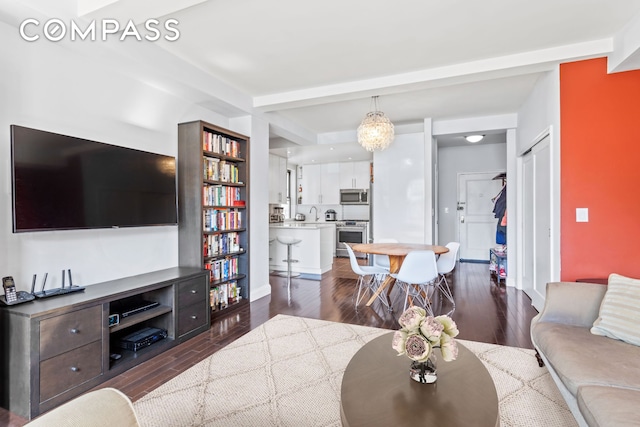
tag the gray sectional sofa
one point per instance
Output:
(599, 377)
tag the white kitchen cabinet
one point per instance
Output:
(314, 253)
(311, 185)
(355, 174)
(320, 184)
(277, 179)
(329, 184)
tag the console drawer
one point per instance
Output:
(192, 291)
(68, 370)
(68, 331)
(192, 317)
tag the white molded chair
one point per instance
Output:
(446, 263)
(382, 261)
(369, 277)
(417, 277)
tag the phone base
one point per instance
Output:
(22, 296)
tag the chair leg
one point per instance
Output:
(446, 292)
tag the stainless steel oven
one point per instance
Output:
(351, 232)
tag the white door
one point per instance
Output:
(537, 222)
(476, 221)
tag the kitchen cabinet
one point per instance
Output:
(277, 179)
(320, 184)
(314, 253)
(355, 174)
(329, 184)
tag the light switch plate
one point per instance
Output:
(582, 214)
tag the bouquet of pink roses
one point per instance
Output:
(421, 333)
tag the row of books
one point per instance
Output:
(221, 219)
(220, 195)
(222, 269)
(220, 244)
(220, 170)
(219, 144)
(224, 295)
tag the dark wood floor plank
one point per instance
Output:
(485, 311)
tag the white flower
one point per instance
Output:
(399, 340)
(417, 348)
(448, 348)
(412, 317)
(421, 333)
(450, 327)
(431, 329)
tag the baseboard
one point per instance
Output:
(475, 261)
(260, 292)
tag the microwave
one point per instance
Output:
(354, 196)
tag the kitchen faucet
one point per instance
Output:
(312, 208)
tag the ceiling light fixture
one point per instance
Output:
(376, 130)
(474, 138)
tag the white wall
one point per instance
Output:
(453, 161)
(259, 206)
(55, 87)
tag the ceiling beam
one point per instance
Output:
(486, 69)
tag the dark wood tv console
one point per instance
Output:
(57, 348)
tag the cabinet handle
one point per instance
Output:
(193, 291)
(75, 369)
(194, 317)
(74, 331)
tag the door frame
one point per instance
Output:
(458, 228)
(554, 200)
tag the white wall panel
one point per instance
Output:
(399, 190)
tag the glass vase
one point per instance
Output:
(424, 372)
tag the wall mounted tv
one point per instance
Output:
(63, 183)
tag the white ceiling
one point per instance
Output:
(313, 66)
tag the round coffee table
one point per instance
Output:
(377, 391)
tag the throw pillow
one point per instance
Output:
(619, 316)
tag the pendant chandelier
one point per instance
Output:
(376, 130)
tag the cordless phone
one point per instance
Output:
(11, 296)
(9, 286)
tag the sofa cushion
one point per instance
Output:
(581, 358)
(609, 406)
(620, 310)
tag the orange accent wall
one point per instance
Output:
(600, 170)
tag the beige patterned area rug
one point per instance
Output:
(288, 371)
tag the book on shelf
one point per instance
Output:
(222, 269)
(219, 144)
(220, 195)
(222, 296)
(220, 170)
(221, 219)
(220, 244)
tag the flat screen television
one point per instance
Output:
(62, 183)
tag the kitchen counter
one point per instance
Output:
(314, 253)
(300, 224)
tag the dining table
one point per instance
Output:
(396, 253)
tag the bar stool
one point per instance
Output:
(289, 241)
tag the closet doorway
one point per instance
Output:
(536, 217)
(476, 221)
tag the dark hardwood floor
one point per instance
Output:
(485, 311)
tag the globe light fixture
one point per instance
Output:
(376, 130)
(474, 138)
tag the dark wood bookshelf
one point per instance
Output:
(192, 155)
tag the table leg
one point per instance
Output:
(394, 266)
